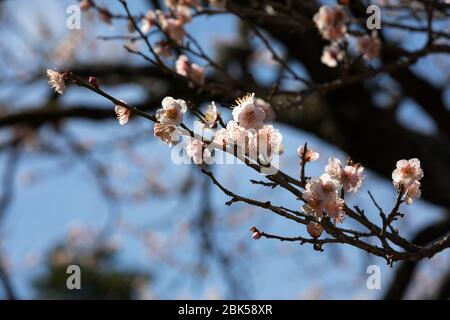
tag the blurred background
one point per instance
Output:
(78, 188)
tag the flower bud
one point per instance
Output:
(314, 229)
(256, 234)
(93, 82)
(85, 5)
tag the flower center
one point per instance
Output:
(408, 170)
(171, 113)
(249, 116)
(328, 187)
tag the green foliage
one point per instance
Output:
(100, 278)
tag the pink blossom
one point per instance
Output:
(182, 65)
(335, 209)
(331, 55)
(331, 22)
(237, 135)
(369, 46)
(407, 172)
(192, 71)
(183, 13)
(150, 19)
(310, 155)
(266, 143)
(167, 133)
(197, 74)
(270, 114)
(172, 111)
(196, 150)
(350, 176)
(122, 114)
(248, 114)
(411, 192)
(173, 28)
(162, 49)
(85, 5)
(56, 81)
(320, 191)
(221, 138)
(333, 168)
(321, 196)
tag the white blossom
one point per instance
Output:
(172, 111)
(56, 81)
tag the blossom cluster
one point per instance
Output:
(406, 178)
(173, 23)
(247, 134)
(332, 25)
(323, 194)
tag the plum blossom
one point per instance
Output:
(56, 81)
(310, 155)
(221, 138)
(314, 229)
(411, 192)
(173, 28)
(85, 5)
(335, 209)
(162, 49)
(331, 22)
(167, 133)
(350, 176)
(248, 114)
(406, 178)
(321, 196)
(407, 172)
(270, 114)
(237, 135)
(149, 20)
(266, 143)
(369, 46)
(196, 150)
(192, 71)
(331, 55)
(122, 114)
(172, 111)
(323, 188)
(183, 13)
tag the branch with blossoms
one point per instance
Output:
(249, 138)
